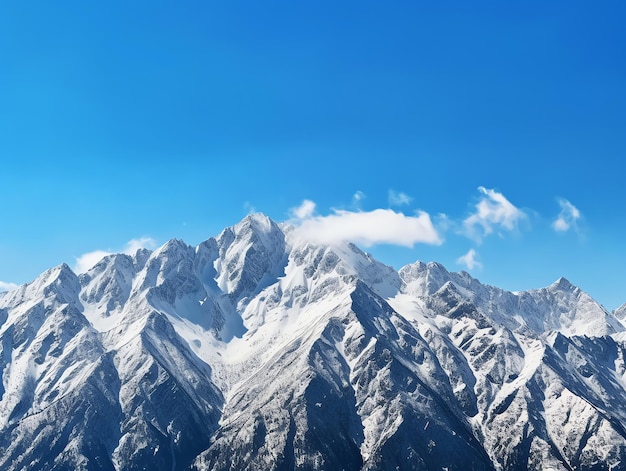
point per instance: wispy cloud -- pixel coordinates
(6, 286)
(89, 259)
(567, 218)
(398, 198)
(443, 223)
(493, 211)
(380, 226)
(357, 198)
(469, 260)
(249, 208)
(304, 211)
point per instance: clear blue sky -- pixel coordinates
(128, 120)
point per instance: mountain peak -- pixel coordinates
(563, 284)
(257, 221)
(256, 217)
(620, 312)
(173, 244)
(251, 253)
(59, 281)
(60, 272)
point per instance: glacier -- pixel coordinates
(257, 349)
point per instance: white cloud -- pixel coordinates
(469, 260)
(304, 211)
(492, 211)
(381, 226)
(5, 286)
(567, 218)
(89, 259)
(249, 208)
(398, 198)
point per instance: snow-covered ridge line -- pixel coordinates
(260, 350)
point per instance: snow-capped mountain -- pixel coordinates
(620, 312)
(259, 350)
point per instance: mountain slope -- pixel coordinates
(259, 350)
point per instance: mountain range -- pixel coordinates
(261, 350)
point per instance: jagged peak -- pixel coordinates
(436, 265)
(251, 253)
(208, 244)
(172, 246)
(448, 287)
(563, 284)
(174, 243)
(259, 221)
(111, 260)
(116, 262)
(418, 267)
(49, 276)
(259, 225)
(59, 281)
(256, 226)
(423, 278)
(107, 264)
(63, 267)
(255, 222)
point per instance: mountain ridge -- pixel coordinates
(258, 349)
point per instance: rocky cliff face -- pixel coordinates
(255, 350)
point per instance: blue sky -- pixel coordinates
(465, 128)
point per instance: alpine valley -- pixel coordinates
(258, 350)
